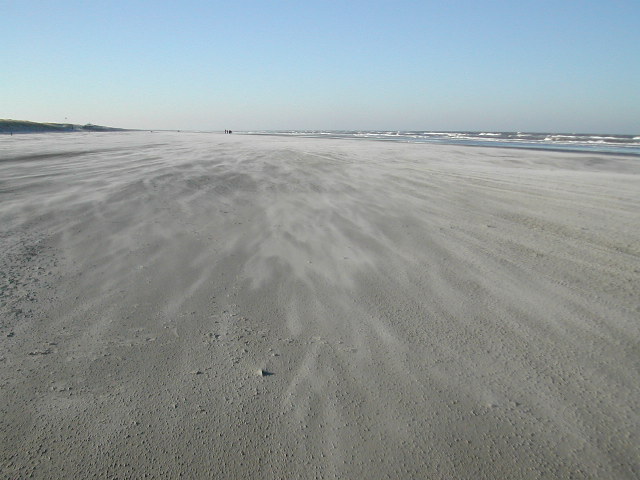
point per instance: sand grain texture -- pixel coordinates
(262, 307)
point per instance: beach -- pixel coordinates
(235, 306)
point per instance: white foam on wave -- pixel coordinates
(586, 142)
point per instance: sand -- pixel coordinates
(206, 305)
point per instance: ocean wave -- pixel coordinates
(606, 143)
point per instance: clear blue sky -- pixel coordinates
(571, 66)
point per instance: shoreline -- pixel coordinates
(544, 148)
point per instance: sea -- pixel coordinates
(579, 142)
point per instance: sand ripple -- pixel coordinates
(423, 311)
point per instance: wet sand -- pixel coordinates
(267, 307)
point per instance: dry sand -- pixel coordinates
(266, 307)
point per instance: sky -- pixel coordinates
(546, 66)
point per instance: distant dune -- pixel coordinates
(23, 126)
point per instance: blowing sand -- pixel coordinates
(265, 307)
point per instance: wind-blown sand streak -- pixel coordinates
(425, 311)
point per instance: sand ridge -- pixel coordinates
(424, 311)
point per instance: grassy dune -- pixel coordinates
(8, 126)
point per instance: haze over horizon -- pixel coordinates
(530, 66)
